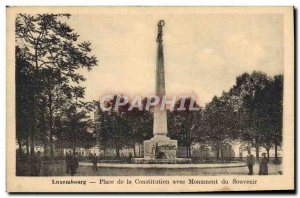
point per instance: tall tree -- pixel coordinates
(247, 93)
(119, 128)
(54, 56)
(277, 112)
(114, 129)
(219, 120)
(184, 125)
(24, 97)
(141, 125)
(76, 128)
(271, 115)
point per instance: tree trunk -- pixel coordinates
(218, 151)
(32, 144)
(50, 121)
(31, 137)
(257, 151)
(20, 148)
(268, 152)
(118, 151)
(134, 153)
(27, 147)
(45, 149)
(189, 153)
(34, 95)
(276, 152)
(51, 150)
(139, 150)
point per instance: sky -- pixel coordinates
(203, 53)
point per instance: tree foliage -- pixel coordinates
(48, 57)
(249, 113)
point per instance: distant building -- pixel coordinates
(242, 150)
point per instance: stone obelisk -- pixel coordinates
(160, 116)
(160, 147)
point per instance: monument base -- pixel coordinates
(160, 150)
(160, 147)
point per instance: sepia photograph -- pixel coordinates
(97, 95)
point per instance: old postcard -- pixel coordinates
(150, 99)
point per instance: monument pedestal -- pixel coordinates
(160, 147)
(160, 150)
